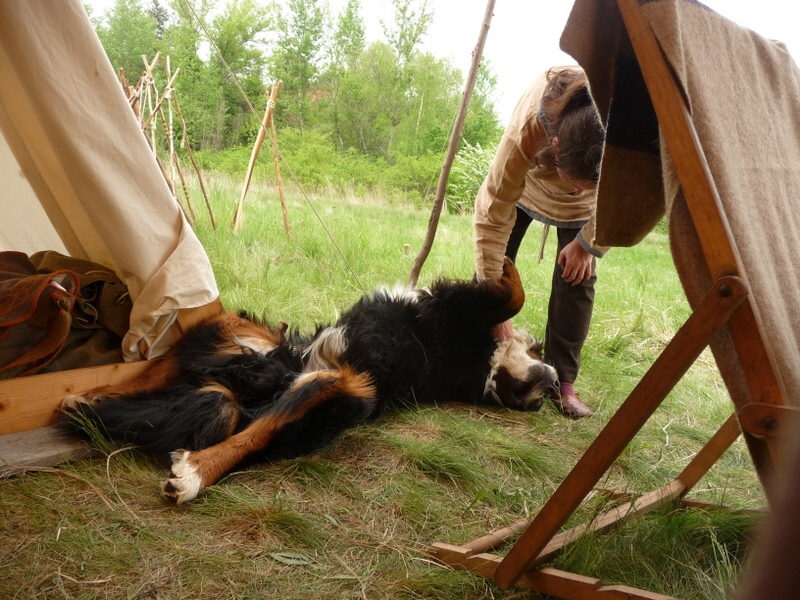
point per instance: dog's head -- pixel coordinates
(518, 377)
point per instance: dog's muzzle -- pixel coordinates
(526, 392)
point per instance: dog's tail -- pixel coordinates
(156, 421)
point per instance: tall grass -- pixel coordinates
(355, 519)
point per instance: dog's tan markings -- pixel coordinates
(512, 282)
(158, 374)
(192, 472)
(507, 289)
(229, 411)
(217, 388)
(242, 334)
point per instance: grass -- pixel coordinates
(355, 519)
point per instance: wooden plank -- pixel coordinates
(710, 453)
(42, 447)
(31, 402)
(612, 518)
(760, 418)
(682, 351)
(548, 581)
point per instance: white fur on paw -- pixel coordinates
(184, 483)
(74, 400)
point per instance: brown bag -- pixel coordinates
(100, 315)
(35, 314)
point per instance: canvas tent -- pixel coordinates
(78, 177)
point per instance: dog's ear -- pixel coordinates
(534, 347)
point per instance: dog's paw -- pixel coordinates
(74, 400)
(184, 483)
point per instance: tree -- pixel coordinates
(238, 59)
(349, 36)
(160, 15)
(128, 32)
(482, 127)
(404, 36)
(411, 21)
(197, 84)
(349, 41)
(295, 60)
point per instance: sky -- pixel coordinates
(523, 34)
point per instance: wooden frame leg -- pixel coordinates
(710, 315)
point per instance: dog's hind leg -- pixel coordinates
(159, 373)
(482, 302)
(159, 421)
(312, 412)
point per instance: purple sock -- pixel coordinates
(567, 389)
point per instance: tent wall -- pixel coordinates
(79, 176)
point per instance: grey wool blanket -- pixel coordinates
(743, 94)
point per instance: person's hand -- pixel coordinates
(575, 262)
(504, 331)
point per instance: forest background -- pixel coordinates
(352, 117)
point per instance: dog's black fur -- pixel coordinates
(235, 390)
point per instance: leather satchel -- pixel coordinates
(35, 314)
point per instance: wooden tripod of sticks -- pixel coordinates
(145, 93)
(267, 124)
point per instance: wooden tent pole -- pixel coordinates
(238, 214)
(455, 137)
(275, 159)
(170, 132)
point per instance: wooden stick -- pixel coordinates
(170, 133)
(151, 89)
(275, 159)
(186, 146)
(191, 216)
(167, 91)
(433, 222)
(238, 215)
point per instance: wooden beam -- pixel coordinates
(41, 447)
(548, 581)
(710, 315)
(33, 401)
(760, 418)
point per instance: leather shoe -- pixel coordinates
(571, 406)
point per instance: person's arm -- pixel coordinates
(495, 204)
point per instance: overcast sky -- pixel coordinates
(523, 36)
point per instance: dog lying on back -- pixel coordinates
(234, 390)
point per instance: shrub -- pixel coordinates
(469, 170)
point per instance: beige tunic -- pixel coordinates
(522, 171)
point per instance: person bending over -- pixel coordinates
(546, 169)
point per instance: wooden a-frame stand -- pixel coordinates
(763, 421)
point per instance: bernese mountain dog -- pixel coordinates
(237, 390)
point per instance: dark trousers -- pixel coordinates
(569, 311)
